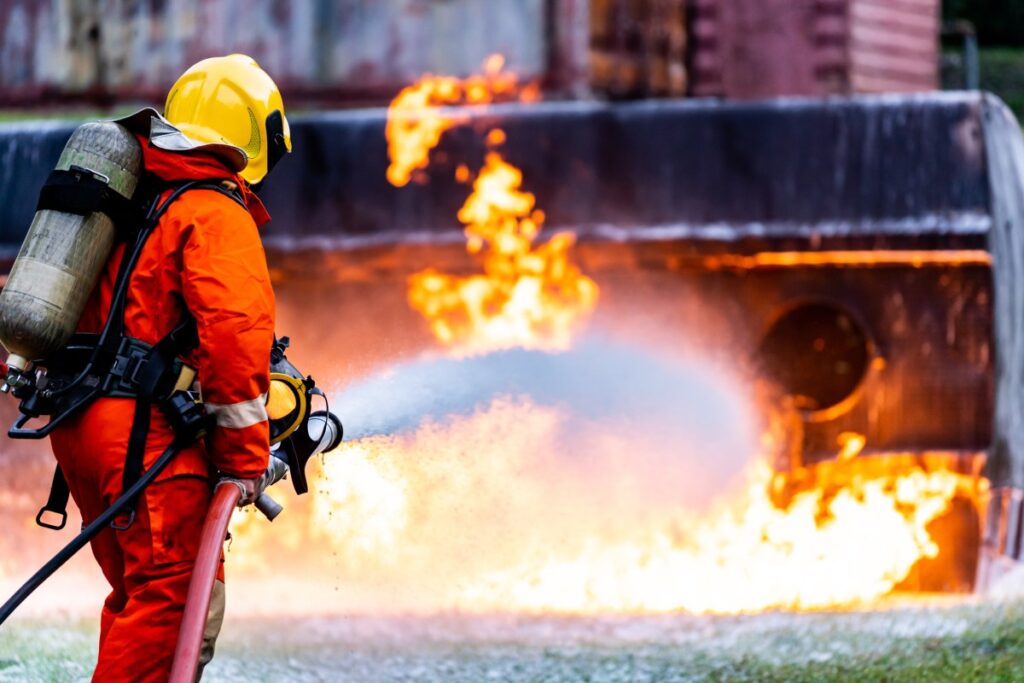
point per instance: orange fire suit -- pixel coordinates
(204, 257)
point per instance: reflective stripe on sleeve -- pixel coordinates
(239, 415)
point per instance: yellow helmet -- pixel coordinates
(232, 100)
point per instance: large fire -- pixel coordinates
(745, 555)
(520, 505)
(524, 507)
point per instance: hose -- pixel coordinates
(200, 588)
(87, 534)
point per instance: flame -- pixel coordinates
(416, 121)
(529, 296)
(421, 521)
(519, 507)
(750, 556)
(850, 445)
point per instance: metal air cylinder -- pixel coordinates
(63, 254)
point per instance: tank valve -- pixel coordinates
(16, 379)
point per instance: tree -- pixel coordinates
(998, 22)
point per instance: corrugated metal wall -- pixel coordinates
(893, 45)
(323, 49)
(761, 48)
(354, 51)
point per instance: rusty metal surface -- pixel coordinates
(638, 47)
(749, 49)
(106, 51)
(316, 49)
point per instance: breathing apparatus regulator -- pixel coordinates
(297, 431)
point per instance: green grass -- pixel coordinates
(47, 651)
(64, 114)
(960, 642)
(996, 655)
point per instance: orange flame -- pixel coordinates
(421, 522)
(528, 296)
(416, 121)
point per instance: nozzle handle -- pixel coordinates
(268, 506)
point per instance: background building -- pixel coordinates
(360, 51)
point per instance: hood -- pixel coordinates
(161, 133)
(169, 155)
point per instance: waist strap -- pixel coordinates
(148, 373)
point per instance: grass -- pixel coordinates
(64, 114)
(47, 651)
(960, 642)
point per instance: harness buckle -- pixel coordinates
(134, 369)
(128, 366)
(123, 527)
(56, 526)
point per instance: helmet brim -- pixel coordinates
(163, 134)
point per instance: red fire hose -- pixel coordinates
(197, 604)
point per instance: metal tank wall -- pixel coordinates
(759, 48)
(698, 190)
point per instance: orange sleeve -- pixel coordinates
(226, 286)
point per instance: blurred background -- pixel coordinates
(60, 54)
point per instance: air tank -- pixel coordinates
(63, 254)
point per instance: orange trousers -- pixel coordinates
(148, 565)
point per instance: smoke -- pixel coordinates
(688, 418)
(597, 379)
(455, 471)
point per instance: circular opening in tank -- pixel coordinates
(817, 353)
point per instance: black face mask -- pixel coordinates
(299, 431)
(275, 139)
(276, 149)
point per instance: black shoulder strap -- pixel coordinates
(56, 503)
(114, 328)
(223, 187)
(181, 339)
(81, 192)
(155, 383)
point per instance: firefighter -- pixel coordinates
(223, 122)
